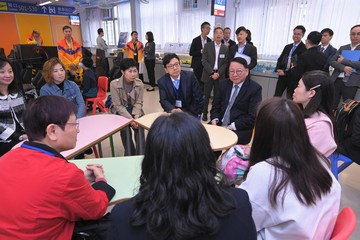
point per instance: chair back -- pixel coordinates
(334, 159)
(345, 224)
(103, 83)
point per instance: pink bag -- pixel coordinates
(234, 162)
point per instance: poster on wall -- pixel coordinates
(123, 36)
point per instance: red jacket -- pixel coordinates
(43, 195)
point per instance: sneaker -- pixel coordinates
(150, 89)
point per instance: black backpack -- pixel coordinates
(343, 117)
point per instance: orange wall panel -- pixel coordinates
(27, 22)
(57, 23)
(10, 34)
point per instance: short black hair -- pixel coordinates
(133, 33)
(66, 27)
(218, 28)
(204, 24)
(327, 30)
(301, 27)
(150, 36)
(357, 25)
(100, 30)
(227, 28)
(239, 29)
(127, 63)
(240, 60)
(167, 58)
(88, 62)
(314, 37)
(45, 110)
(14, 86)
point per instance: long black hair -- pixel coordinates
(180, 196)
(281, 139)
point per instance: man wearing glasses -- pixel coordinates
(235, 108)
(43, 193)
(179, 90)
(346, 64)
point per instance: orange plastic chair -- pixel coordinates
(101, 96)
(345, 224)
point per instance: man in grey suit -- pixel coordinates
(214, 60)
(346, 75)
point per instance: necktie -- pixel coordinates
(289, 58)
(226, 118)
(322, 49)
(176, 84)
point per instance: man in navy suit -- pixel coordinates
(196, 50)
(286, 62)
(346, 75)
(326, 48)
(214, 61)
(243, 48)
(226, 40)
(235, 107)
(311, 59)
(179, 90)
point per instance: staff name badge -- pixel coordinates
(222, 55)
(178, 103)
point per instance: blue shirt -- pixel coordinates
(71, 92)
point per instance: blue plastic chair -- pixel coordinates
(335, 158)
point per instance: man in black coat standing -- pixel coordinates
(196, 50)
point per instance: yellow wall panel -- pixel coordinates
(27, 22)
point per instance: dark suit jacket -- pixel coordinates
(190, 89)
(208, 60)
(329, 53)
(310, 60)
(282, 60)
(249, 50)
(195, 52)
(243, 111)
(231, 43)
(350, 145)
(354, 79)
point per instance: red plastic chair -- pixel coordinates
(345, 224)
(101, 96)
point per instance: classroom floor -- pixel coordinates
(349, 178)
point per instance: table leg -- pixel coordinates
(112, 146)
(140, 141)
(127, 146)
(100, 150)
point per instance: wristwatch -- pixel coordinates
(21, 138)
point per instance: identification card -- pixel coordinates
(178, 103)
(221, 55)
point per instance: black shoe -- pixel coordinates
(88, 151)
(204, 117)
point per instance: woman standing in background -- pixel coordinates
(150, 59)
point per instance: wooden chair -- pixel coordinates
(345, 224)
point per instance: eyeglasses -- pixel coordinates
(176, 65)
(238, 72)
(77, 124)
(354, 33)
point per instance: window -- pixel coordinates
(110, 25)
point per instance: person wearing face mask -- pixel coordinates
(127, 99)
(54, 74)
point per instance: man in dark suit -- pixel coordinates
(288, 59)
(226, 40)
(235, 107)
(214, 61)
(179, 90)
(196, 50)
(326, 48)
(243, 48)
(311, 59)
(346, 75)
